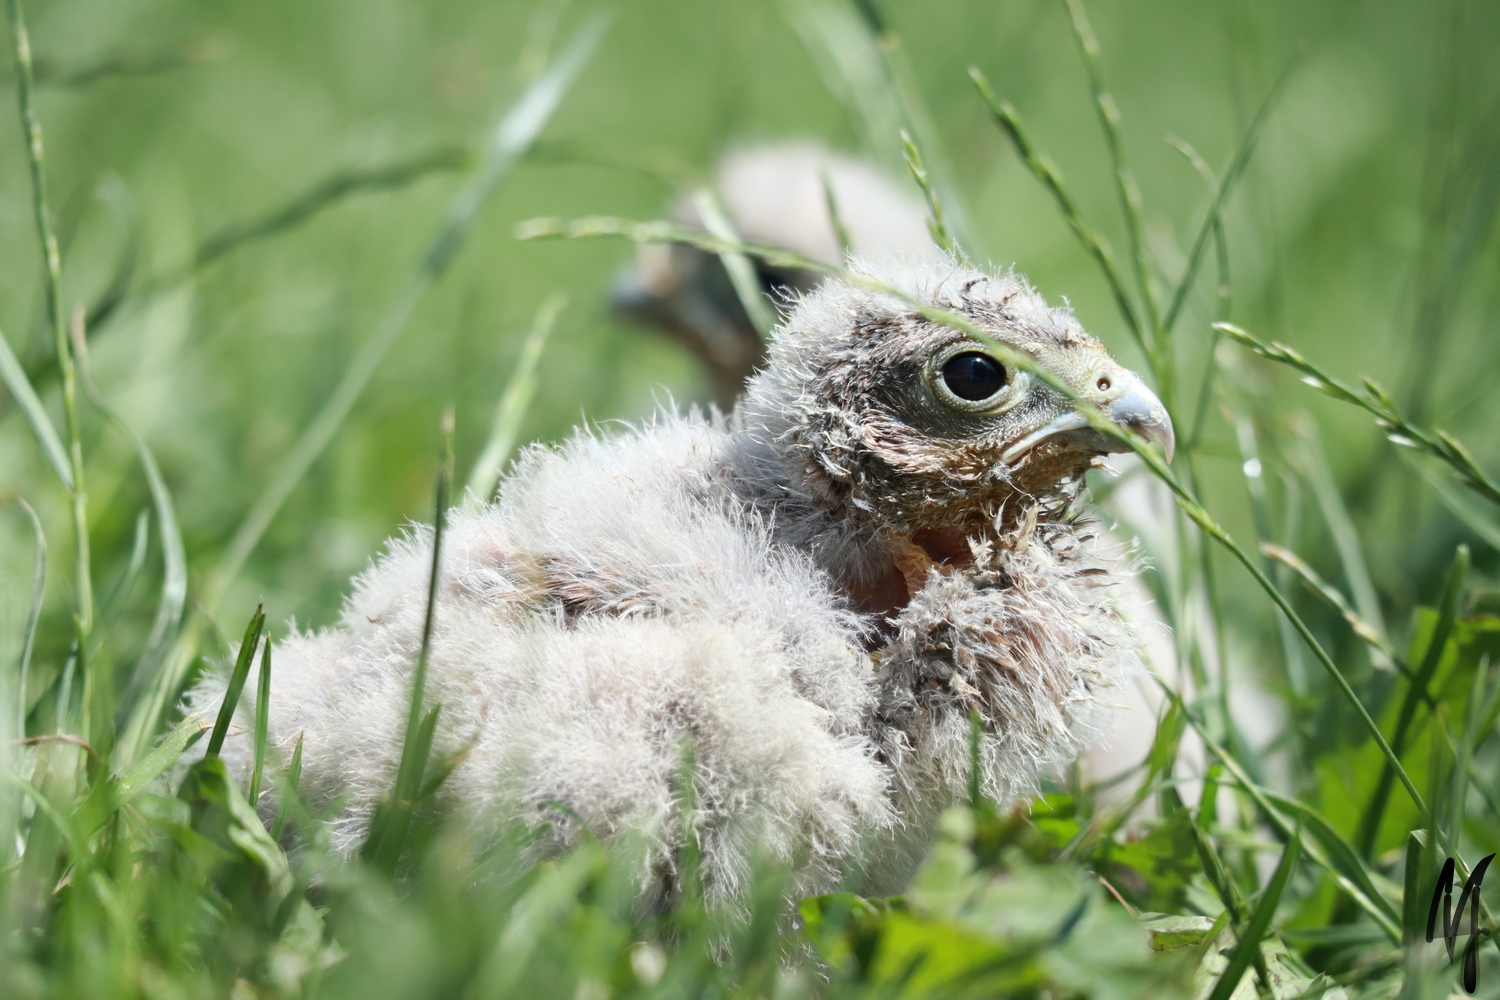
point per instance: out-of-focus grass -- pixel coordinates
(238, 192)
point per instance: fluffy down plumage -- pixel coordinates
(811, 595)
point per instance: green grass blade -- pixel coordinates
(290, 791)
(113, 603)
(840, 51)
(1247, 948)
(1315, 471)
(862, 62)
(513, 137)
(1126, 188)
(1045, 171)
(1262, 799)
(1416, 691)
(52, 268)
(937, 225)
(393, 819)
(262, 719)
(1340, 854)
(72, 836)
(391, 827)
(174, 558)
(1222, 300)
(1476, 516)
(36, 414)
(1464, 754)
(325, 194)
(1328, 592)
(1376, 401)
(835, 215)
(174, 554)
(131, 62)
(154, 765)
(1217, 874)
(237, 678)
(1223, 884)
(741, 272)
(33, 615)
(515, 400)
(1414, 885)
(1213, 218)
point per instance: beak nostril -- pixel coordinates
(1103, 383)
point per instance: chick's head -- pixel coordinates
(917, 430)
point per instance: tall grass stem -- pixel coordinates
(52, 261)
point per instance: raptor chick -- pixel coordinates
(813, 594)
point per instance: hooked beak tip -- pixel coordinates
(1139, 411)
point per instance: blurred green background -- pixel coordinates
(1362, 233)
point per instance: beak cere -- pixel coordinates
(1139, 411)
(1136, 409)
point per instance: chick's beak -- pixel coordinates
(1136, 409)
(1139, 411)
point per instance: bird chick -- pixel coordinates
(811, 596)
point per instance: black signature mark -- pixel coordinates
(1453, 918)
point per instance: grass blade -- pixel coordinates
(1378, 402)
(1460, 503)
(1214, 216)
(52, 261)
(1340, 854)
(1416, 691)
(237, 678)
(1262, 799)
(835, 214)
(1045, 171)
(392, 819)
(1362, 628)
(113, 604)
(1126, 188)
(510, 411)
(154, 765)
(290, 791)
(33, 615)
(131, 62)
(1414, 885)
(860, 57)
(318, 198)
(36, 414)
(174, 553)
(741, 272)
(1315, 472)
(262, 719)
(1247, 949)
(840, 50)
(1222, 299)
(77, 843)
(936, 224)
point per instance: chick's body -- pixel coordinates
(810, 596)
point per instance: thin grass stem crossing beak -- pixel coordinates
(1136, 409)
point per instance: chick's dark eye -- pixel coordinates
(973, 376)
